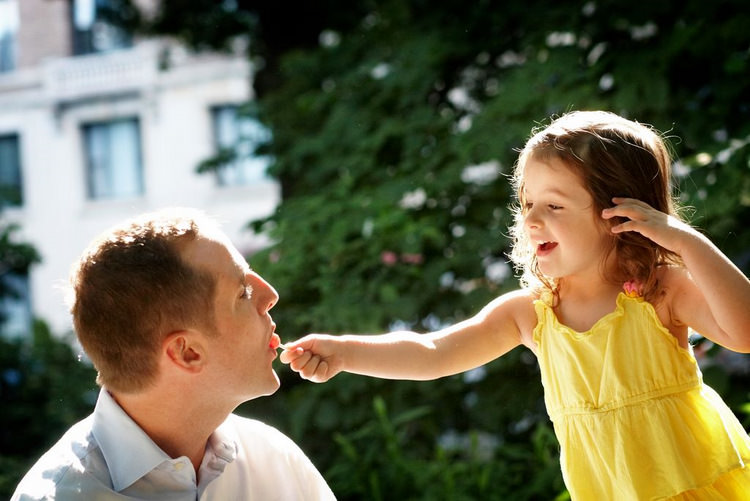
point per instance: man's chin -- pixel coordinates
(275, 385)
(268, 389)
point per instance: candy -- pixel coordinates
(275, 341)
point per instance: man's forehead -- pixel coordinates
(215, 253)
(242, 269)
(240, 263)
(206, 253)
(239, 266)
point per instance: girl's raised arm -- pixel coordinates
(407, 355)
(713, 297)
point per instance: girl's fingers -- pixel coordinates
(298, 363)
(630, 208)
(291, 354)
(641, 218)
(626, 212)
(321, 373)
(626, 226)
(308, 366)
(314, 370)
(305, 357)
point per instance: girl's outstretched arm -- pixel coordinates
(714, 296)
(407, 355)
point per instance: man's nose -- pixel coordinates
(266, 295)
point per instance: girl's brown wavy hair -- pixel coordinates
(614, 157)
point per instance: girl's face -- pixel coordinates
(569, 236)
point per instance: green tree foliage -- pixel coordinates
(15, 256)
(395, 124)
(377, 109)
(376, 134)
(44, 389)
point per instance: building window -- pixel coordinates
(95, 28)
(15, 304)
(11, 193)
(237, 137)
(8, 28)
(113, 159)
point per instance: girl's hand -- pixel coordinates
(315, 357)
(712, 295)
(663, 229)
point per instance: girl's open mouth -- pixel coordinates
(545, 248)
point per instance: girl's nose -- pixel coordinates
(531, 219)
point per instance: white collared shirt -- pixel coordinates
(107, 456)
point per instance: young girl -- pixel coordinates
(612, 281)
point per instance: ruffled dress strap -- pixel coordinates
(543, 307)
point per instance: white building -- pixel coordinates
(96, 127)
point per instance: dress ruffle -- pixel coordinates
(732, 485)
(632, 414)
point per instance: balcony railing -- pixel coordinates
(101, 74)
(141, 69)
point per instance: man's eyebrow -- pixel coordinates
(241, 274)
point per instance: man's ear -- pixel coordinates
(184, 350)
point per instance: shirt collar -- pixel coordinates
(223, 442)
(221, 449)
(129, 452)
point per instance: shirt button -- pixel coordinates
(179, 466)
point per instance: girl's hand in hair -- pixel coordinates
(661, 228)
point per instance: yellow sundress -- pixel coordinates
(631, 412)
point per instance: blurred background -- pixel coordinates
(357, 152)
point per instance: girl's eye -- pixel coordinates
(528, 206)
(247, 292)
(554, 207)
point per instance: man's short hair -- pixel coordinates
(131, 288)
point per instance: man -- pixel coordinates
(178, 328)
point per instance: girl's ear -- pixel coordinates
(183, 350)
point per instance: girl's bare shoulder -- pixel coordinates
(517, 302)
(674, 281)
(518, 306)
(671, 273)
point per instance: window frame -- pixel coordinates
(14, 186)
(105, 188)
(9, 13)
(84, 40)
(247, 168)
